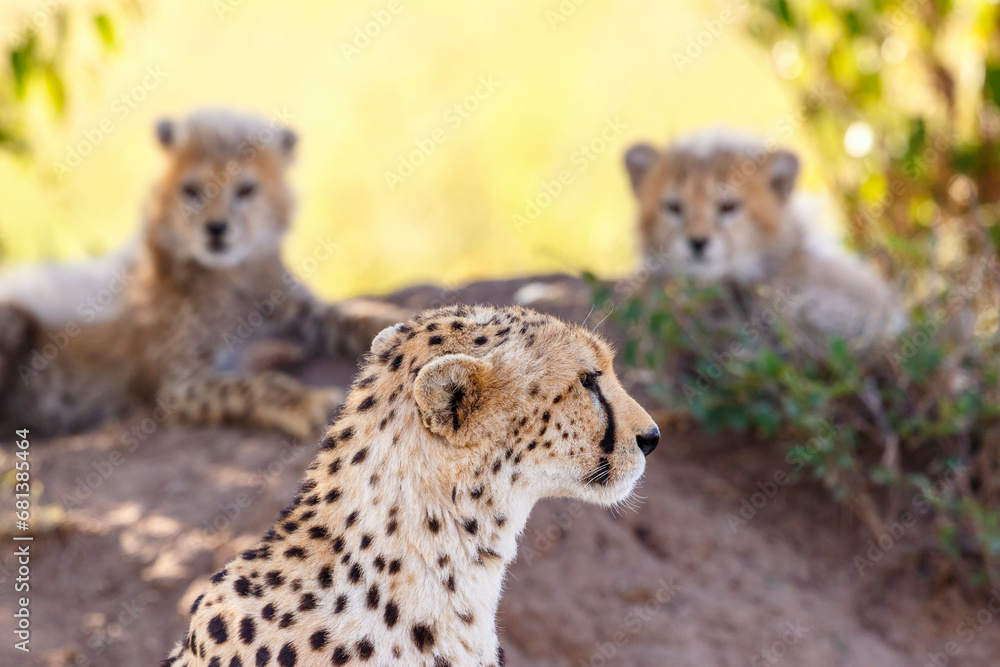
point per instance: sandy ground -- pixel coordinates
(670, 583)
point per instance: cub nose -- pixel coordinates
(647, 441)
(216, 228)
(698, 245)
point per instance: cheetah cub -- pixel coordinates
(189, 320)
(395, 549)
(718, 206)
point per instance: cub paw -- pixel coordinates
(320, 407)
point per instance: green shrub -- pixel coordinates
(921, 80)
(909, 128)
(912, 433)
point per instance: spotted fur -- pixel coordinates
(719, 206)
(395, 548)
(204, 286)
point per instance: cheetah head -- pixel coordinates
(528, 403)
(712, 206)
(223, 198)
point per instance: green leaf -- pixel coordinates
(633, 311)
(965, 157)
(991, 83)
(916, 140)
(770, 363)
(784, 12)
(106, 30)
(853, 23)
(947, 535)
(994, 234)
(767, 418)
(56, 89)
(20, 64)
(731, 417)
(660, 322)
(839, 354)
(630, 352)
(882, 476)
(923, 362)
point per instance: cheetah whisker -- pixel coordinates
(605, 318)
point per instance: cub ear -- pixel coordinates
(287, 141)
(450, 391)
(166, 133)
(638, 159)
(783, 171)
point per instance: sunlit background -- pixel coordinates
(570, 85)
(447, 141)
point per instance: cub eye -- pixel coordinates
(246, 190)
(673, 207)
(191, 191)
(589, 380)
(729, 206)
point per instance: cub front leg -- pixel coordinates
(346, 328)
(272, 355)
(271, 400)
(350, 326)
(18, 333)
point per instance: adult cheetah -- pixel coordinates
(395, 549)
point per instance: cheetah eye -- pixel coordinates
(191, 191)
(729, 206)
(673, 207)
(589, 380)
(246, 190)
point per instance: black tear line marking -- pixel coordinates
(608, 441)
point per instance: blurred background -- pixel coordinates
(519, 91)
(446, 142)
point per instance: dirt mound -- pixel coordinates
(681, 580)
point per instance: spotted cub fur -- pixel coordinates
(719, 206)
(396, 546)
(204, 284)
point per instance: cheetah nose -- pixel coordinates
(647, 441)
(698, 245)
(216, 228)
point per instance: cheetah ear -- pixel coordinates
(638, 159)
(783, 167)
(166, 133)
(289, 139)
(383, 341)
(450, 391)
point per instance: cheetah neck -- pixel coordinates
(465, 563)
(450, 529)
